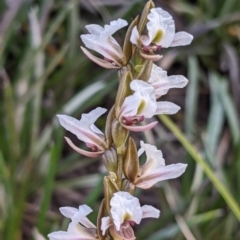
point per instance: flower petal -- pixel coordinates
(130, 106)
(145, 92)
(150, 212)
(167, 108)
(61, 235)
(84, 129)
(142, 128)
(80, 216)
(161, 28)
(175, 81)
(154, 160)
(135, 38)
(181, 39)
(160, 174)
(99, 61)
(83, 152)
(125, 207)
(125, 233)
(162, 83)
(151, 57)
(113, 27)
(101, 41)
(94, 29)
(68, 211)
(105, 224)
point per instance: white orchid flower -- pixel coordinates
(155, 170)
(162, 83)
(100, 40)
(86, 131)
(160, 34)
(126, 211)
(75, 231)
(142, 104)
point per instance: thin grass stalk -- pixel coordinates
(227, 196)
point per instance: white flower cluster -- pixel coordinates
(125, 209)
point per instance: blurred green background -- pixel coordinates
(43, 72)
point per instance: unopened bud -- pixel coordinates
(131, 161)
(119, 134)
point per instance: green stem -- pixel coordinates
(119, 170)
(227, 196)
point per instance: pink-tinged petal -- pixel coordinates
(101, 41)
(135, 128)
(99, 61)
(125, 207)
(84, 128)
(167, 108)
(68, 211)
(150, 212)
(105, 224)
(61, 235)
(151, 57)
(135, 38)
(154, 158)
(162, 85)
(164, 173)
(125, 233)
(83, 152)
(75, 227)
(181, 39)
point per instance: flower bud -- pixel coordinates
(145, 72)
(110, 187)
(127, 46)
(131, 161)
(123, 90)
(143, 19)
(119, 134)
(101, 214)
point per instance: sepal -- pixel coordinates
(131, 161)
(143, 19)
(145, 72)
(123, 90)
(127, 46)
(101, 62)
(108, 129)
(101, 214)
(110, 187)
(119, 134)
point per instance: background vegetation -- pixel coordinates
(43, 72)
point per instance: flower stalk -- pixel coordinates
(141, 84)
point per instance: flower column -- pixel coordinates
(141, 84)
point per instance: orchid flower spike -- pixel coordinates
(86, 230)
(155, 170)
(126, 211)
(162, 83)
(160, 34)
(100, 40)
(86, 131)
(142, 104)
